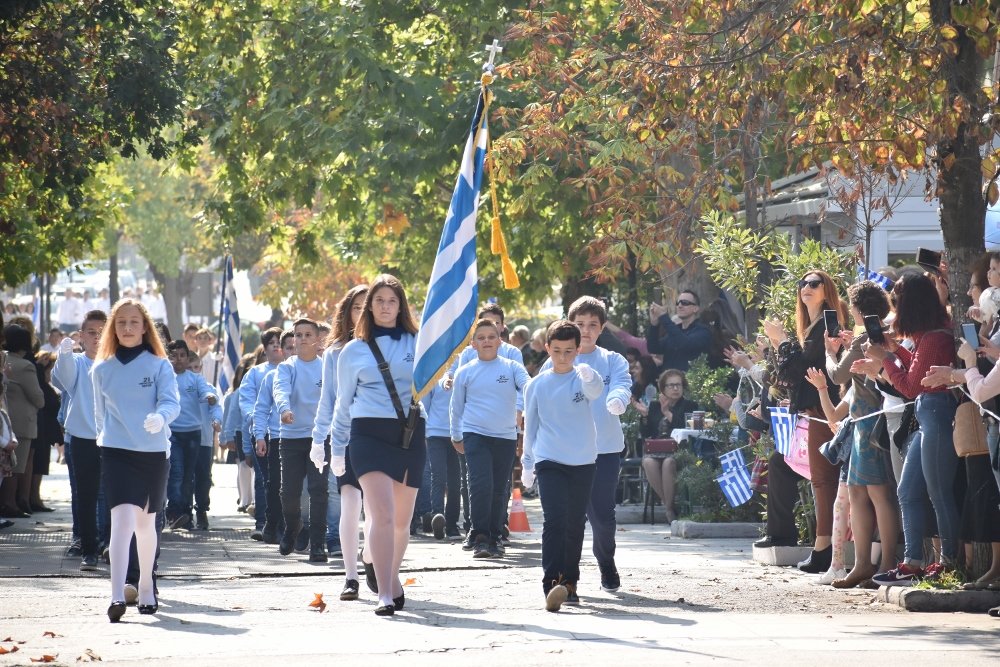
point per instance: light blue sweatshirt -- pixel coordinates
(558, 423)
(265, 418)
(249, 389)
(297, 387)
(613, 367)
(485, 397)
(328, 396)
(72, 373)
(125, 393)
(506, 351)
(361, 390)
(437, 405)
(194, 390)
(232, 418)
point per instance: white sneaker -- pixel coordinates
(828, 577)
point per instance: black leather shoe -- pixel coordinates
(769, 542)
(149, 608)
(12, 513)
(370, 577)
(399, 602)
(116, 611)
(385, 610)
(39, 507)
(287, 543)
(318, 556)
(818, 561)
(350, 591)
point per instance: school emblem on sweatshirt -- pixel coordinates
(503, 379)
(607, 380)
(578, 397)
(146, 382)
(408, 357)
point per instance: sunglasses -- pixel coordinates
(813, 284)
(685, 302)
(673, 385)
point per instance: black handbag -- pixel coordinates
(408, 421)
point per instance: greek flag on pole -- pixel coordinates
(732, 460)
(735, 485)
(231, 325)
(782, 428)
(882, 281)
(453, 293)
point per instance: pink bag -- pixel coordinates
(798, 456)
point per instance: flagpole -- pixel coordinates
(222, 314)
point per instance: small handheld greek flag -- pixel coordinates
(875, 277)
(735, 485)
(782, 427)
(732, 460)
(231, 328)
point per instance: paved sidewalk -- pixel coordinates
(226, 600)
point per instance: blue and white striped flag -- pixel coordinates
(732, 460)
(453, 293)
(231, 328)
(735, 485)
(875, 277)
(782, 428)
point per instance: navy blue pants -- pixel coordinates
(490, 462)
(564, 491)
(184, 448)
(446, 489)
(601, 508)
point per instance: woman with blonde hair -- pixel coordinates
(135, 396)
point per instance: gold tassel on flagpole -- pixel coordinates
(497, 244)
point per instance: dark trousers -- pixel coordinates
(203, 477)
(86, 472)
(184, 446)
(463, 474)
(446, 490)
(274, 518)
(74, 501)
(601, 508)
(564, 491)
(296, 468)
(259, 488)
(490, 461)
(422, 504)
(782, 494)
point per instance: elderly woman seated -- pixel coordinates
(663, 416)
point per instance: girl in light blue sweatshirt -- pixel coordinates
(135, 397)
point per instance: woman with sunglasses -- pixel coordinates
(816, 293)
(679, 338)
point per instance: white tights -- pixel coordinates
(350, 514)
(244, 483)
(841, 524)
(126, 521)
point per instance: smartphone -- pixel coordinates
(873, 327)
(929, 259)
(970, 334)
(832, 323)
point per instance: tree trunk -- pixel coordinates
(113, 295)
(173, 289)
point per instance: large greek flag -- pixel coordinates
(231, 329)
(452, 293)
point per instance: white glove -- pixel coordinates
(616, 406)
(527, 478)
(154, 422)
(66, 345)
(317, 455)
(585, 372)
(338, 465)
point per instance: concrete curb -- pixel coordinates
(932, 600)
(695, 530)
(781, 556)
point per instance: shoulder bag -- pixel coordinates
(970, 431)
(409, 422)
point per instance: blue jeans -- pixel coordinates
(203, 477)
(444, 477)
(929, 470)
(490, 462)
(564, 491)
(463, 474)
(332, 511)
(601, 508)
(184, 447)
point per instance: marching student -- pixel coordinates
(185, 438)
(484, 404)
(560, 446)
(348, 487)
(72, 373)
(297, 385)
(211, 427)
(446, 483)
(386, 456)
(233, 437)
(135, 397)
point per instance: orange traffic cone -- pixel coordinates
(518, 522)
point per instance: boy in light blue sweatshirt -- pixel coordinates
(211, 425)
(484, 404)
(590, 316)
(185, 438)
(560, 446)
(297, 388)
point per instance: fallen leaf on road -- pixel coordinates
(46, 658)
(409, 582)
(12, 649)
(49, 633)
(318, 602)
(89, 656)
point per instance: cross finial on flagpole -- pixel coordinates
(494, 49)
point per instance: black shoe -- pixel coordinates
(469, 543)
(498, 549)
(571, 596)
(75, 550)
(183, 522)
(370, 579)
(769, 542)
(425, 523)
(318, 555)
(257, 535)
(287, 543)
(268, 535)
(452, 533)
(399, 602)
(483, 548)
(350, 591)
(437, 525)
(148, 609)
(39, 507)
(610, 580)
(385, 610)
(202, 523)
(302, 541)
(818, 561)
(89, 563)
(5, 523)
(116, 611)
